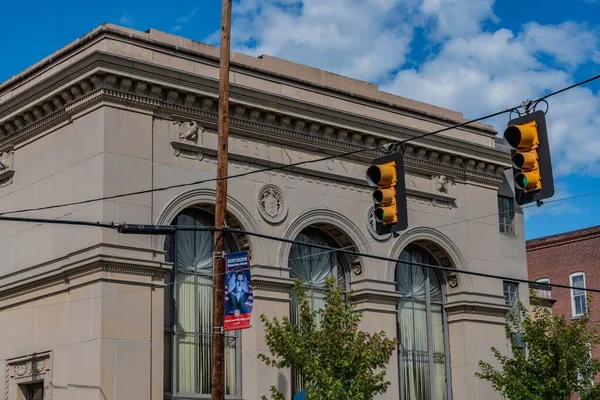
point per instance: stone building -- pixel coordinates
(568, 258)
(88, 313)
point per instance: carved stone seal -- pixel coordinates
(271, 203)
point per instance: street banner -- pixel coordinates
(238, 291)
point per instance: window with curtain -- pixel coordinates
(511, 293)
(188, 313)
(312, 266)
(422, 324)
(506, 212)
(578, 296)
(544, 293)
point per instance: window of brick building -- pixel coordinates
(544, 293)
(506, 211)
(510, 293)
(578, 297)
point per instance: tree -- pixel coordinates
(557, 362)
(326, 347)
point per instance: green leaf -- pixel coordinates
(557, 364)
(340, 361)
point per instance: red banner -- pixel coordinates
(238, 291)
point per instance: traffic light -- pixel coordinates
(532, 167)
(386, 174)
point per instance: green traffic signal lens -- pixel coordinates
(521, 181)
(379, 214)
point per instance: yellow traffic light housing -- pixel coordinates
(386, 174)
(524, 139)
(532, 167)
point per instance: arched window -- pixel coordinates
(421, 328)
(188, 313)
(312, 266)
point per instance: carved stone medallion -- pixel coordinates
(271, 203)
(371, 226)
(453, 282)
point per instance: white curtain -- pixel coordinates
(312, 266)
(193, 263)
(420, 290)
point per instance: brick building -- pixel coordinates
(569, 258)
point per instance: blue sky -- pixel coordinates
(475, 56)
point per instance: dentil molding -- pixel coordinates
(249, 120)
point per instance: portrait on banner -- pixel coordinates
(239, 300)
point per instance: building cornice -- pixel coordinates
(157, 95)
(266, 67)
(106, 268)
(476, 308)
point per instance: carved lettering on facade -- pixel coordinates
(250, 148)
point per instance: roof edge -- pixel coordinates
(165, 39)
(563, 238)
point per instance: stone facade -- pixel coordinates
(121, 111)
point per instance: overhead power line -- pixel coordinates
(125, 228)
(274, 168)
(573, 86)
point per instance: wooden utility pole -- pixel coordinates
(218, 335)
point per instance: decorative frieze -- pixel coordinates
(25, 370)
(136, 92)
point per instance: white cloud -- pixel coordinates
(488, 72)
(126, 19)
(568, 43)
(181, 21)
(480, 67)
(458, 18)
(362, 39)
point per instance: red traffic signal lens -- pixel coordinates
(522, 136)
(383, 174)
